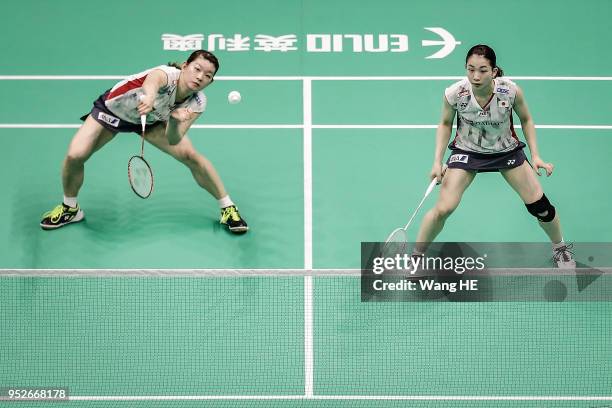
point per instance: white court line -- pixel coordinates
(208, 126)
(272, 126)
(578, 127)
(347, 397)
(307, 146)
(301, 78)
(308, 301)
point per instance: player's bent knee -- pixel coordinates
(187, 157)
(75, 158)
(443, 212)
(542, 209)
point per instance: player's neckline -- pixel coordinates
(489, 99)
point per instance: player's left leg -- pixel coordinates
(203, 172)
(524, 181)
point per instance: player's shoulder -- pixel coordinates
(168, 69)
(197, 102)
(505, 86)
(457, 90)
(172, 73)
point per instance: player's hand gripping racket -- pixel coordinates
(398, 239)
(140, 174)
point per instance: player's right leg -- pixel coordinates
(204, 174)
(90, 137)
(454, 183)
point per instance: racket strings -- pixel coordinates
(140, 176)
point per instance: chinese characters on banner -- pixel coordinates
(371, 43)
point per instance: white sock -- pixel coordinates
(70, 201)
(225, 202)
(558, 244)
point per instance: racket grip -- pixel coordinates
(431, 186)
(434, 182)
(143, 122)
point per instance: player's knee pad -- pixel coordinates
(542, 209)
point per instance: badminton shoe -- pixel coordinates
(563, 257)
(230, 217)
(60, 216)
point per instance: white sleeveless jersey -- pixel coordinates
(488, 129)
(123, 98)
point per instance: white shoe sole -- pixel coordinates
(239, 229)
(79, 217)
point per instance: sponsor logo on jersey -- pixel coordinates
(111, 120)
(460, 158)
(463, 92)
(503, 91)
(463, 105)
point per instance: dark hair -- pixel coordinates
(488, 53)
(207, 55)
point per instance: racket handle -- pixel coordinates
(431, 186)
(143, 122)
(434, 182)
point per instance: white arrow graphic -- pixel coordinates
(448, 42)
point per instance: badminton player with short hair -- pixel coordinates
(485, 141)
(171, 97)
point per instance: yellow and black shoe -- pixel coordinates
(230, 217)
(60, 216)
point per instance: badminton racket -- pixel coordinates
(140, 174)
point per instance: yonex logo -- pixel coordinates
(111, 120)
(458, 158)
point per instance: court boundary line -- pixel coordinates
(308, 283)
(280, 126)
(308, 77)
(348, 397)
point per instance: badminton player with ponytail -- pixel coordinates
(171, 97)
(486, 141)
